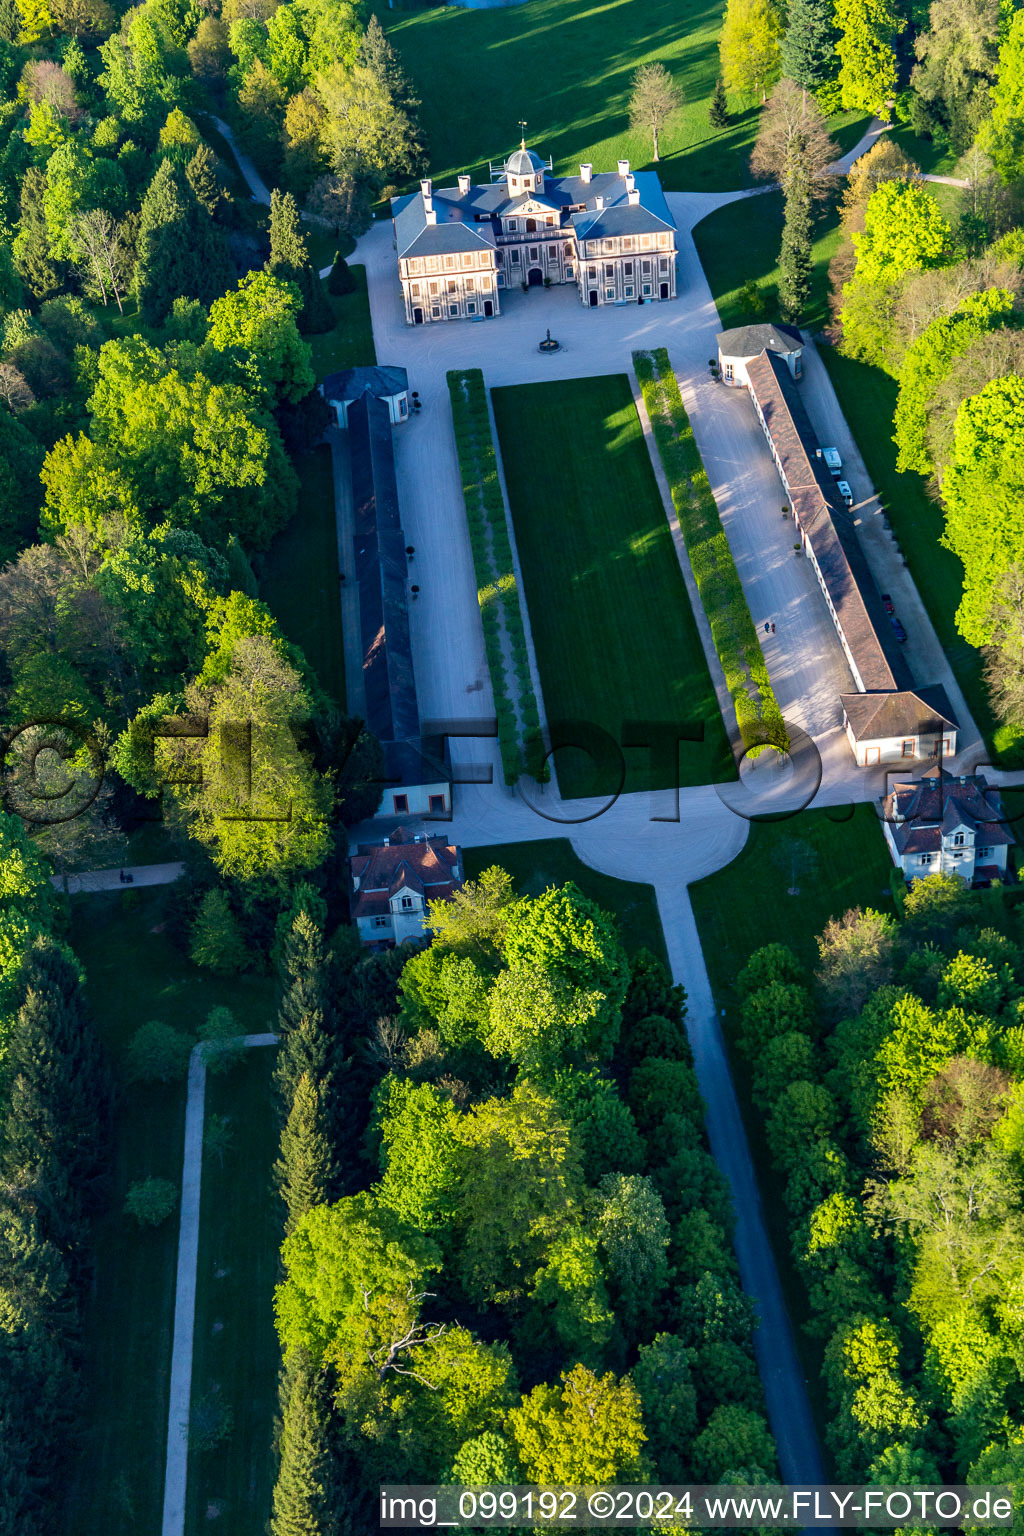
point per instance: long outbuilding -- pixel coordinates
(889, 718)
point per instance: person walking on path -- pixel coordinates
(773, 628)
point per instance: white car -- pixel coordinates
(844, 490)
(832, 459)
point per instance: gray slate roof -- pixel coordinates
(465, 222)
(749, 340)
(920, 811)
(350, 383)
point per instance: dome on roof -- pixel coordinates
(524, 162)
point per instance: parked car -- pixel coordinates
(900, 632)
(844, 490)
(832, 459)
(887, 604)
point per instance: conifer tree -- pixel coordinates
(289, 260)
(795, 251)
(32, 242)
(181, 253)
(307, 1020)
(304, 1172)
(60, 1090)
(718, 112)
(809, 46)
(203, 175)
(308, 1498)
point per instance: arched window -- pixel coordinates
(531, 225)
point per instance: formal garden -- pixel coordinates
(612, 624)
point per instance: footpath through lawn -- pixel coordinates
(613, 630)
(134, 972)
(833, 859)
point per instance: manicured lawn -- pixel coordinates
(135, 973)
(350, 344)
(299, 581)
(741, 241)
(612, 625)
(842, 862)
(567, 67)
(552, 861)
(845, 863)
(868, 398)
(235, 1342)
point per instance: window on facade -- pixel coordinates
(416, 288)
(471, 308)
(435, 313)
(663, 263)
(567, 251)
(568, 272)
(926, 858)
(609, 293)
(607, 246)
(983, 853)
(958, 839)
(627, 244)
(382, 922)
(907, 750)
(453, 310)
(515, 258)
(401, 804)
(467, 260)
(534, 253)
(433, 287)
(513, 225)
(645, 267)
(453, 286)
(728, 370)
(591, 271)
(609, 270)
(470, 283)
(647, 289)
(449, 263)
(437, 805)
(645, 242)
(552, 250)
(629, 290)
(431, 263)
(406, 903)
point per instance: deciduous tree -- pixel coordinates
(749, 46)
(653, 99)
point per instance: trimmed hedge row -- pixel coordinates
(721, 592)
(519, 736)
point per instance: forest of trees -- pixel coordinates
(517, 1266)
(892, 1082)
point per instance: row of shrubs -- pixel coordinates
(732, 629)
(519, 734)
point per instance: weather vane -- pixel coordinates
(522, 141)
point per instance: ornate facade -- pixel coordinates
(459, 247)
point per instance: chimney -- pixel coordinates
(426, 186)
(431, 215)
(586, 174)
(623, 168)
(632, 197)
(630, 181)
(599, 201)
(464, 185)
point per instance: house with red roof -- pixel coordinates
(948, 824)
(393, 880)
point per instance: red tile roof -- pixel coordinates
(430, 868)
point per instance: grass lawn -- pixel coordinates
(135, 973)
(845, 863)
(577, 61)
(615, 636)
(741, 241)
(235, 1342)
(299, 581)
(868, 398)
(350, 344)
(552, 861)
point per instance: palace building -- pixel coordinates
(458, 247)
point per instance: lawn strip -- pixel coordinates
(519, 735)
(721, 591)
(615, 637)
